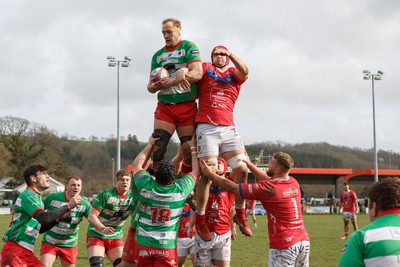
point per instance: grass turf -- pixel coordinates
(325, 232)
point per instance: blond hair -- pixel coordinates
(175, 22)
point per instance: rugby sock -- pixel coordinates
(186, 168)
(240, 212)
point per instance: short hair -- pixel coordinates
(284, 159)
(32, 170)
(73, 178)
(175, 22)
(165, 172)
(122, 173)
(385, 193)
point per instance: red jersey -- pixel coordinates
(348, 201)
(285, 220)
(218, 209)
(218, 92)
(184, 222)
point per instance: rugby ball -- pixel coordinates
(159, 73)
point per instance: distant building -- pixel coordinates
(8, 196)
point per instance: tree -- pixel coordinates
(25, 143)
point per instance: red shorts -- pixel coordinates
(128, 254)
(67, 254)
(13, 255)
(108, 244)
(180, 114)
(147, 256)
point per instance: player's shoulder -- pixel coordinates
(85, 202)
(188, 43)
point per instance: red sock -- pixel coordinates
(200, 218)
(240, 212)
(186, 168)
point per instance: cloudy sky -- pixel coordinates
(305, 58)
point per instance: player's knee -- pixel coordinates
(212, 162)
(96, 261)
(161, 143)
(117, 261)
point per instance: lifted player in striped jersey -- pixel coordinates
(62, 240)
(378, 243)
(110, 209)
(160, 206)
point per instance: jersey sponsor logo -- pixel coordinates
(395, 232)
(155, 252)
(290, 192)
(143, 253)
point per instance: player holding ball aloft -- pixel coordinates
(216, 132)
(176, 108)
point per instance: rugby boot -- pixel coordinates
(243, 226)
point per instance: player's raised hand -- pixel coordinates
(205, 168)
(74, 201)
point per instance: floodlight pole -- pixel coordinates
(373, 77)
(112, 62)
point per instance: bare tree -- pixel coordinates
(25, 143)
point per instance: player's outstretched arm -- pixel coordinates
(195, 162)
(48, 219)
(222, 182)
(141, 159)
(258, 173)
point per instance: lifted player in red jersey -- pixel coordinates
(216, 133)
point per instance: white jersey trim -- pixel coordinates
(173, 197)
(157, 235)
(381, 234)
(392, 260)
(55, 241)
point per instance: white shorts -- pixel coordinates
(214, 140)
(250, 211)
(219, 248)
(347, 216)
(294, 256)
(185, 246)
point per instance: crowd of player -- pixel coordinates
(164, 228)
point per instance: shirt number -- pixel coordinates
(160, 215)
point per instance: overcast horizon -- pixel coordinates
(305, 58)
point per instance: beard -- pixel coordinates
(270, 173)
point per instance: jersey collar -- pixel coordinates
(389, 211)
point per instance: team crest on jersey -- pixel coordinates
(344, 248)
